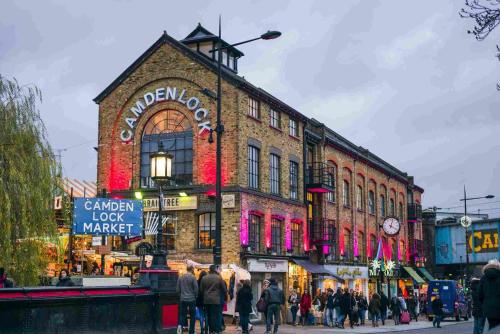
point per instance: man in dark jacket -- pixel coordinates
(244, 298)
(489, 293)
(274, 298)
(437, 310)
(329, 308)
(384, 303)
(212, 287)
(347, 303)
(187, 287)
(477, 308)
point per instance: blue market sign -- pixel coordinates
(102, 216)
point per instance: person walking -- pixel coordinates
(200, 307)
(489, 293)
(244, 299)
(187, 288)
(477, 308)
(5, 282)
(336, 304)
(396, 309)
(362, 307)
(294, 301)
(413, 306)
(265, 286)
(305, 306)
(437, 310)
(329, 309)
(347, 303)
(374, 309)
(213, 287)
(64, 279)
(275, 298)
(384, 304)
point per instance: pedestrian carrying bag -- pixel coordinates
(261, 305)
(405, 317)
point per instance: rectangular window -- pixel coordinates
(294, 131)
(371, 202)
(253, 108)
(382, 206)
(359, 197)
(330, 196)
(276, 236)
(346, 194)
(294, 180)
(296, 238)
(254, 233)
(253, 167)
(392, 207)
(274, 173)
(275, 118)
(206, 230)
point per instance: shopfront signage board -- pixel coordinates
(349, 272)
(389, 268)
(171, 203)
(103, 216)
(267, 265)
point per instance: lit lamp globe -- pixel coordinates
(161, 165)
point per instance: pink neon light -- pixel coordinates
(267, 229)
(317, 190)
(400, 255)
(244, 228)
(288, 233)
(355, 244)
(306, 237)
(342, 244)
(368, 247)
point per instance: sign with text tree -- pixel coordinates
(102, 216)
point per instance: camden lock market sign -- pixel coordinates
(389, 268)
(201, 114)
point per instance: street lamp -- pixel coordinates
(161, 173)
(466, 222)
(219, 130)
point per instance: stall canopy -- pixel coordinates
(426, 274)
(414, 275)
(317, 269)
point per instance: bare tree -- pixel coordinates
(486, 13)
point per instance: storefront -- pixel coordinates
(264, 268)
(355, 277)
(383, 276)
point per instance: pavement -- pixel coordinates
(421, 326)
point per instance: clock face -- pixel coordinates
(391, 226)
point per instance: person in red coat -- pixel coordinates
(305, 306)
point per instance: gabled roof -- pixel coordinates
(200, 34)
(227, 74)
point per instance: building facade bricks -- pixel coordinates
(276, 214)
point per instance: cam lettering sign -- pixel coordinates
(483, 241)
(171, 203)
(269, 266)
(102, 216)
(193, 103)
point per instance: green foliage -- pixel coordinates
(28, 178)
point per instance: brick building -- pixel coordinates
(283, 214)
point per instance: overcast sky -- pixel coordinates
(401, 78)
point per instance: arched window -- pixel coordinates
(400, 210)
(296, 238)
(373, 246)
(371, 202)
(276, 239)
(173, 129)
(382, 205)
(361, 245)
(254, 227)
(392, 207)
(347, 243)
(346, 194)
(359, 197)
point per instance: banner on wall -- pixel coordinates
(103, 216)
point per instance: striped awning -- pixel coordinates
(426, 274)
(414, 275)
(79, 188)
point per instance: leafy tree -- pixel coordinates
(28, 175)
(486, 14)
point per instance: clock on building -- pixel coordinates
(391, 226)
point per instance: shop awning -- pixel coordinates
(414, 275)
(426, 274)
(316, 269)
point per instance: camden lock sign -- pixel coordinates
(351, 272)
(171, 203)
(165, 94)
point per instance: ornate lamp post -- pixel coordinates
(161, 173)
(466, 223)
(219, 130)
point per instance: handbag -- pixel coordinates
(261, 305)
